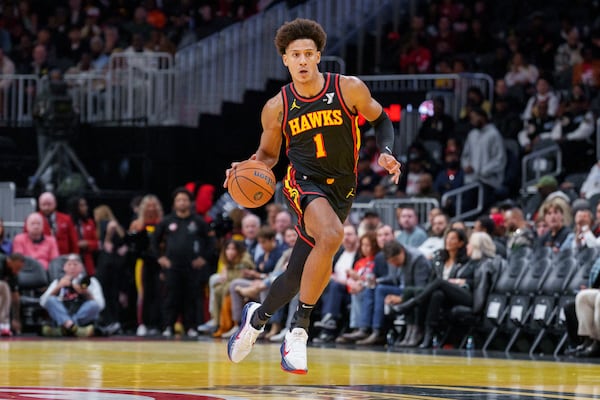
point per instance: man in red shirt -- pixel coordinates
(58, 224)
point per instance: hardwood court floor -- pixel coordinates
(131, 369)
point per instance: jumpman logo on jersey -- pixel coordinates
(351, 193)
(294, 105)
(329, 98)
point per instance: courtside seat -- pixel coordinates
(33, 280)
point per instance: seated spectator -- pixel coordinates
(435, 241)
(505, 117)
(367, 179)
(521, 74)
(486, 224)
(34, 243)
(370, 222)
(587, 306)
(10, 316)
(568, 55)
(583, 236)
(235, 260)
(409, 182)
(453, 285)
(335, 297)
(557, 214)
(74, 301)
(519, 232)
(410, 233)
(587, 71)
(5, 243)
(437, 127)
(591, 185)
(547, 188)
(451, 257)
(537, 128)
(543, 94)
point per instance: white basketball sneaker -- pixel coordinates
(293, 351)
(240, 344)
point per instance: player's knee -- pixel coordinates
(330, 236)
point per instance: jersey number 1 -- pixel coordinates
(319, 143)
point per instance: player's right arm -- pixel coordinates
(270, 140)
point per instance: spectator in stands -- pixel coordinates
(415, 57)
(587, 305)
(475, 99)
(112, 42)
(184, 250)
(250, 229)
(416, 168)
(537, 129)
(99, 59)
(485, 223)
(35, 243)
(87, 234)
(109, 265)
(521, 74)
(587, 71)
(481, 159)
(370, 222)
(559, 235)
(362, 280)
(367, 179)
(73, 301)
(583, 236)
(435, 241)
(76, 14)
(567, 55)
(10, 315)
(437, 127)
(543, 95)
(5, 242)
(452, 175)
(7, 67)
(407, 268)
(138, 26)
(58, 224)
(91, 27)
(505, 117)
(283, 221)
(443, 41)
(335, 297)
(452, 285)
(146, 270)
(39, 63)
(235, 261)
(519, 232)
(591, 185)
(451, 257)
(410, 233)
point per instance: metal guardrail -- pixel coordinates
(544, 161)
(386, 208)
(136, 87)
(456, 197)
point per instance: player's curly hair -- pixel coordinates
(300, 28)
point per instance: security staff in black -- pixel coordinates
(185, 251)
(316, 115)
(322, 142)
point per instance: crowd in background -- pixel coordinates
(546, 68)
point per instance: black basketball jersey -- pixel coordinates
(321, 132)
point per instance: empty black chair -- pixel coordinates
(32, 280)
(542, 252)
(519, 308)
(587, 255)
(522, 252)
(547, 305)
(497, 305)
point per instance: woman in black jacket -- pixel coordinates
(452, 285)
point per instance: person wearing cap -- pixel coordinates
(73, 301)
(483, 158)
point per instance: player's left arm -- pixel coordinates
(358, 97)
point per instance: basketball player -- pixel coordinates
(317, 115)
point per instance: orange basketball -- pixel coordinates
(251, 184)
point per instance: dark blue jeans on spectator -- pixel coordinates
(334, 298)
(372, 315)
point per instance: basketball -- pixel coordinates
(251, 184)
